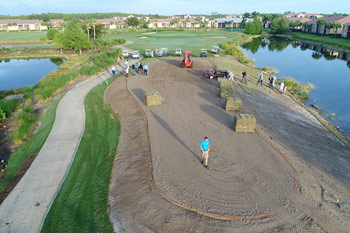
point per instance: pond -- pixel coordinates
(15, 74)
(328, 70)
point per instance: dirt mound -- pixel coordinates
(249, 177)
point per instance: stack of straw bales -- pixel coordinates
(226, 92)
(152, 99)
(233, 104)
(244, 123)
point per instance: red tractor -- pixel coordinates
(187, 61)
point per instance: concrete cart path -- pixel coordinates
(25, 209)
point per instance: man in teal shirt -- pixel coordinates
(205, 148)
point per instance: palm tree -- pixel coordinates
(336, 25)
(321, 22)
(93, 22)
(307, 25)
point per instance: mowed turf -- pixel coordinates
(81, 204)
(193, 40)
(21, 35)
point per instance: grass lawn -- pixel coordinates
(323, 39)
(21, 37)
(194, 40)
(33, 146)
(81, 204)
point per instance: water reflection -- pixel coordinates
(279, 44)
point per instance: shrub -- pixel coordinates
(7, 106)
(27, 92)
(2, 116)
(297, 89)
(51, 33)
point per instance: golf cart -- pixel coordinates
(125, 53)
(215, 50)
(204, 53)
(178, 52)
(149, 53)
(215, 73)
(135, 54)
(187, 61)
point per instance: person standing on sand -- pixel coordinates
(113, 70)
(133, 69)
(270, 82)
(281, 87)
(273, 80)
(145, 69)
(127, 71)
(141, 68)
(138, 67)
(126, 63)
(205, 148)
(230, 76)
(244, 77)
(261, 78)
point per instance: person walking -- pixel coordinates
(145, 69)
(133, 67)
(113, 70)
(138, 67)
(281, 87)
(244, 77)
(127, 71)
(205, 148)
(261, 78)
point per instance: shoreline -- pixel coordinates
(333, 128)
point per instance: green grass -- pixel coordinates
(33, 145)
(21, 37)
(193, 40)
(323, 39)
(81, 204)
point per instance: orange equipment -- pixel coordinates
(187, 61)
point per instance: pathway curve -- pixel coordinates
(25, 209)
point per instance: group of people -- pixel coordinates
(272, 80)
(141, 69)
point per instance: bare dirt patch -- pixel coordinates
(271, 173)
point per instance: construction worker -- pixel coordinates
(113, 70)
(244, 76)
(230, 76)
(205, 148)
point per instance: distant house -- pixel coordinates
(303, 15)
(189, 23)
(198, 17)
(234, 16)
(346, 30)
(57, 23)
(322, 29)
(161, 23)
(302, 20)
(111, 23)
(228, 22)
(22, 25)
(124, 17)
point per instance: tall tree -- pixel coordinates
(75, 38)
(279, 25)
(132, 21)
(59, 41)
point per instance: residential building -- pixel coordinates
(196, 17)
(111, 23)
(322, 29)
(303, 15)
(346, 31)
(228, 22)
(124, 17)
(302, 20)
(22, 25)
(161, 23)
(234, 16)
(57, 23)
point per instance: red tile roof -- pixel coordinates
(20, 21)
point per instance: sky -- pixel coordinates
(171, 7)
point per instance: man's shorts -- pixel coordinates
(206, 154)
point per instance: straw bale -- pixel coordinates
(226, 92)
(244, 123)
(152, 99)
(233, 104)
(225, 83)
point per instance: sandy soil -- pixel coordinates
(284, 177)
